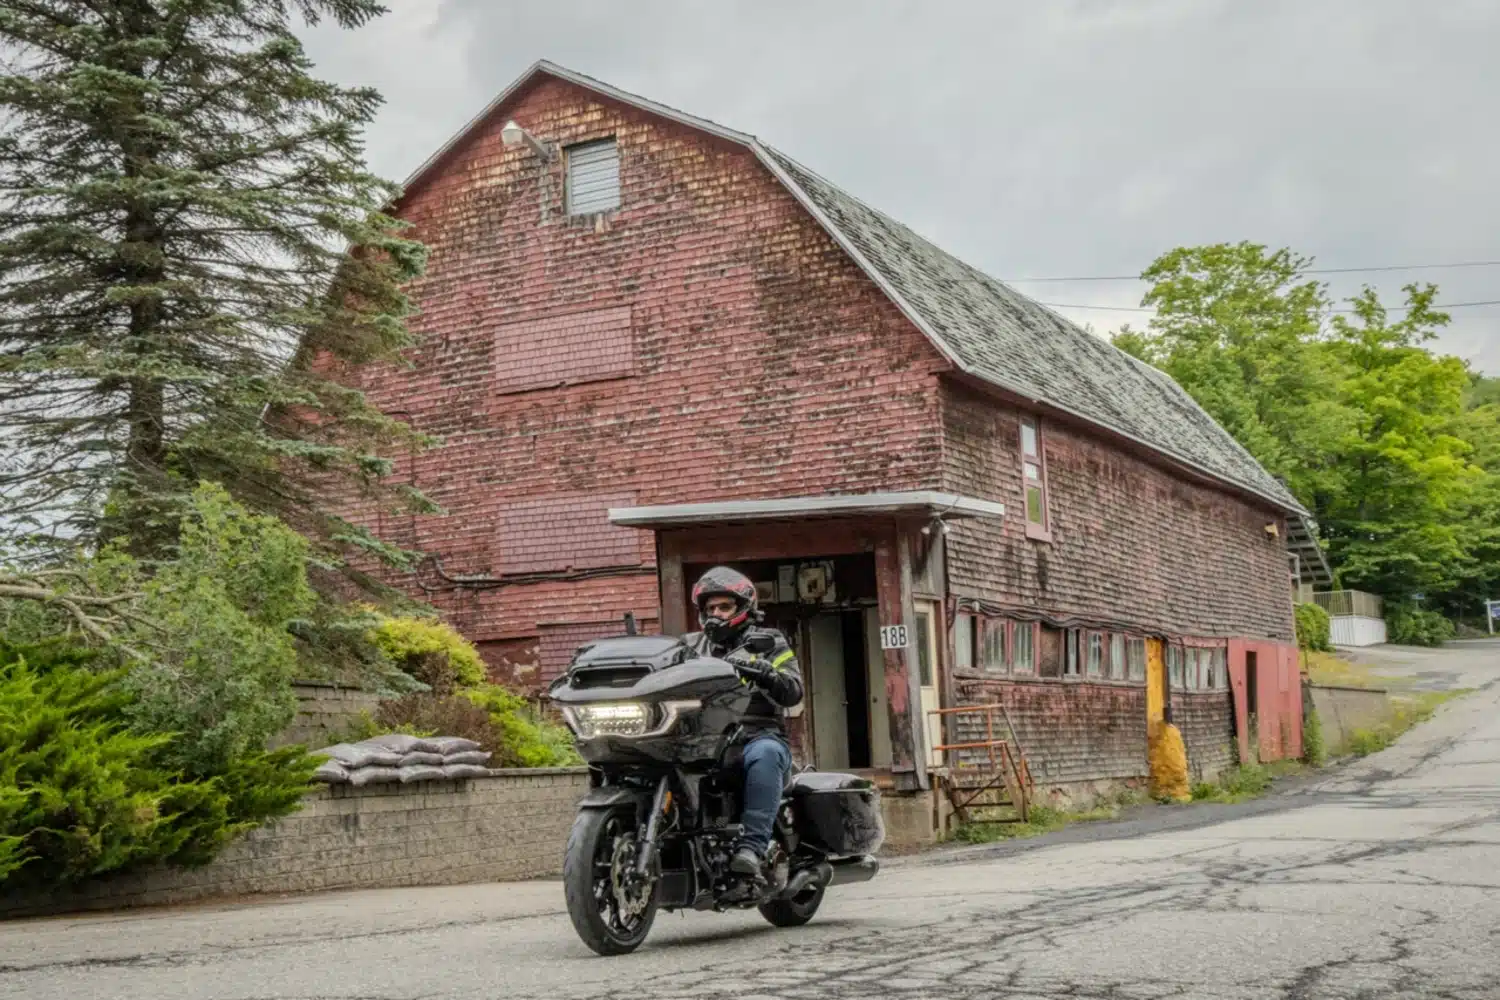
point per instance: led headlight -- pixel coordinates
(626, 718)
(623, 718)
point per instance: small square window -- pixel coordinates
(1034, 480)
(993, 654)
(1028, 439)
(1023, 653)
(593, 183)
(1135, 656)
(1117, 657)
(963, 642)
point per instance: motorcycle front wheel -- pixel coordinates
(611, 908)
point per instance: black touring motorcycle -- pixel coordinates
(657, 725)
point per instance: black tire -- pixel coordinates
(592, 906)
(796, 911)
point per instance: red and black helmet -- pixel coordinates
(721, 581)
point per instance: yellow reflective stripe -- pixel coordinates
(780, 661)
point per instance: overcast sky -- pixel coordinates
(1040, 139)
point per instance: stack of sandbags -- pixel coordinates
(401, 758)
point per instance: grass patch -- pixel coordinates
(1248, 781)
(1407, 711)
(1333, 670)
(1046, 819)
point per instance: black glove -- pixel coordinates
(751, 667)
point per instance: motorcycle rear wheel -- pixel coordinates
(600, 849)
(796, 911)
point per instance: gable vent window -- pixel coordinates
(593, 184)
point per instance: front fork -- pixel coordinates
(647, 853)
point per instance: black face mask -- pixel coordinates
(723, 633)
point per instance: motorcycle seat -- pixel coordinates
(812, 782)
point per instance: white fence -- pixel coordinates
(1356, 630)
(1357, 618)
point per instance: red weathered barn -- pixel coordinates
(652, 344)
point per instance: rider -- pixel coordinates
(729, 616)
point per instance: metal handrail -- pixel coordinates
(1003, 760)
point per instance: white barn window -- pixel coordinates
(593, 177)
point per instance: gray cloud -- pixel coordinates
(1065, 138)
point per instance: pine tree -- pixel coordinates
(190, 250)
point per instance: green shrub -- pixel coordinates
(1363, 742)
(1246, 781)
(1313, 628)
(336, 644)
(431, 651)
(81, 794)
(1314, 750)
(526, 739)
(430, 713)
(1409, 626)
(366, 726)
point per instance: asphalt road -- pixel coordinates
(1381, 880)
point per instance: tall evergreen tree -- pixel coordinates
(190, 249)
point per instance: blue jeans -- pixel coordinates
(767, 764)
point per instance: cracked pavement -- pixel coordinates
(1380, 879)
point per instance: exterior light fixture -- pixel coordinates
(514, 135)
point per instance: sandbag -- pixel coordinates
(357, 755)
(420, 757)
(467, 757)
(331, 772)
(447, 745)
(453, 771)
(403, 744)
(423, 772)
(374, 775)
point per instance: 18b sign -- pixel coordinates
(893, 637)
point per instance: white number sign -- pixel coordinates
(893, 637)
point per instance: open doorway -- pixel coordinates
(837, 678)
(826, 607)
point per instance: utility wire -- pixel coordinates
(1311, 270)
(1437, 306)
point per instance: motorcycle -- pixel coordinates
(659, 728)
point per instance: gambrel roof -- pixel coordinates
(986, 329)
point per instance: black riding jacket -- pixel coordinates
(779, 689)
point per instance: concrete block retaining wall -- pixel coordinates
(323, 712)
(1343, 710)
(510, 825)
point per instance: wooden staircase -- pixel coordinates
(987, 779)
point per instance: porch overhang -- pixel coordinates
(909, 503)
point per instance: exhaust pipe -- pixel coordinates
(851, 870)
(819, 874)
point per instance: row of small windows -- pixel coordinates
(1030, 649)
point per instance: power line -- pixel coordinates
(1437, 306)
(1312, 270)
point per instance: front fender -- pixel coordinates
(610, 797)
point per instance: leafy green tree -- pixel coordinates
(1386, 443)
(190, 250)
(205, 638)
(1240, 327)
(1406, 478)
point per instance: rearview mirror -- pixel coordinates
(761, 643)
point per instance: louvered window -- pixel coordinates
(593, 177)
